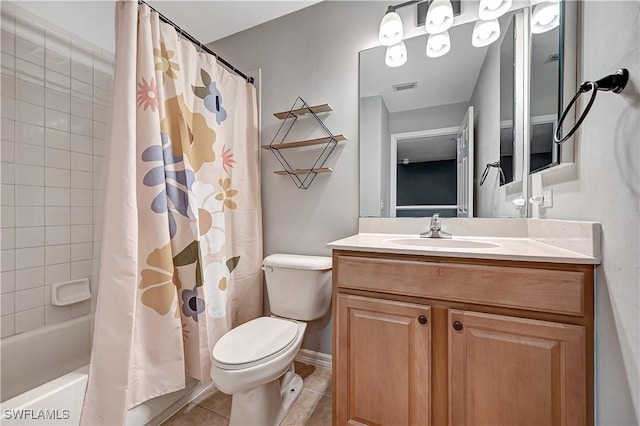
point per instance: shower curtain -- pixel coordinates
(182, 245)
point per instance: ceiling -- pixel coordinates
(212, 20)
(430, 148)
(446, 80)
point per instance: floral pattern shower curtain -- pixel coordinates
(182, 239)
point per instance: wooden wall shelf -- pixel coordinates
(309, 142)
(303, 171)
(302, 111)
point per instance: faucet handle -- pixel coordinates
(435, 221)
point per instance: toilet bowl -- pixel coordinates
(254, 361)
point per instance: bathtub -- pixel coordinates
(45, 374)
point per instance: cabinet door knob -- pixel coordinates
(422, 319)
(457, 325)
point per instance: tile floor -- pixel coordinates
(313, 407)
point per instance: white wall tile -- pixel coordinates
(81, 108)
(57, 158)
(7, 195)
(7, 86)
(8, 281)
(57, 216)
(7, 217)
(28, 71)
(81, 180)
(102, 79)
(30, 237)
(29, 278)
(100, 113)
(98, 147)
(8, 42)
(82, 90)
(81, 198)
(8, 108)
(57, 62)
(57, 81)
(57, 100)
(57, 139)
(29, 216)
(7, 64)
(29, 257)
(31, 134)
(80, 71)
(81, 126)
(8, 260)
(57, 197)
(29, 113)
(29, 299)
(8, 22)
(8, 151)
(56, 314)
(29, 195)
(29, 154)
(8, 325)
(82, 144)
(7, 238)
(99, 130)
(7, 173)
(59, 43)
(57, 273)
(29, 31)
(56, 235)
(8, 303)
(57, 119)
(81, 251)
(81, 269)
(29, 320)
(79, 309)
(29, 51)
(59, 178)
(82, 162)
(7, 131)
(81, 233)
(29, 175)
(81, 215)
(101, 96)
(58, 254)
(30, 93)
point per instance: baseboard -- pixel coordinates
(317, 359)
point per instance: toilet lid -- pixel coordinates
(254, 341)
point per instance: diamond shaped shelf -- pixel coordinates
(302, 177)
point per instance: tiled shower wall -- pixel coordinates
(55, 99)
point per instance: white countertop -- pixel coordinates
(520, 249)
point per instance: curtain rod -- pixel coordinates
(195, 41)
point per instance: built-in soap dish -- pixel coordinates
(70, 292)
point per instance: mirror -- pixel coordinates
(429, 128)
(545, 95)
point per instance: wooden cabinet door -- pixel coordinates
(513, 371)
(383, 362)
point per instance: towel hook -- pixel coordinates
(615, 83)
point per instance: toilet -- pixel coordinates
(254, 361)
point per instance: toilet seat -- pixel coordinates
(254, 343)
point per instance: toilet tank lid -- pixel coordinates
(297, 261)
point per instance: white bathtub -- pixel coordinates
(41, 377)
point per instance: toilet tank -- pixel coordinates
(298, 287)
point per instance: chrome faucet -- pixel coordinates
(435, 229)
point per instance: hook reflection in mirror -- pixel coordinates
(615, 83)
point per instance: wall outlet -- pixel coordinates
(547, 198)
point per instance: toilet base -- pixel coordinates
(268, 404)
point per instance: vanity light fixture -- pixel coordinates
(439, 17)
(493, 9)
(396, 55)
(545, 17)
(391, 29)
(485, 33)
(438, 44)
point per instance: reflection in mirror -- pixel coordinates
(507, 103)
(420, 152)
(545, 96)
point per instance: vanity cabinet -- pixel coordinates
(422, 340)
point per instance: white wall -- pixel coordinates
(427, 118)
(371, 109)
(605, 187)
(90, 20)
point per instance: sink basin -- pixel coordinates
(443, 243)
